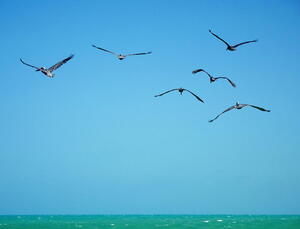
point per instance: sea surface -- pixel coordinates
(150, 221)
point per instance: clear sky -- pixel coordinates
(94, 140)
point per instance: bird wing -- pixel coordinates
(141, 53)
(197, 97)
(228, 109)
(60, 63)
(105, 50)
(246, 42)
(29, 65)
(259, 108)
(201, 70)
(223, 77)
(166, 92)
(219, 37)
(197, 70)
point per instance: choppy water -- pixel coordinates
(148, 221)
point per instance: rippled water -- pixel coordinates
(151, 221)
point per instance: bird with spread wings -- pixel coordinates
(121, 56)
(181, 90)
(213, 79)
(231, 47)
(49, 71)
(239, 106)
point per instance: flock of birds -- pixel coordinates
(49, 72)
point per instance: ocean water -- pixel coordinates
(151, 221)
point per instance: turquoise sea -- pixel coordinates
(151, 221)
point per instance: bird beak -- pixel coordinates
(38, 70)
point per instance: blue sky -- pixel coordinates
(94, 140)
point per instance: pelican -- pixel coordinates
(239, 106)
(213, 79)
(180, 91)
(231, 47)
(48, 71)
(121, 56)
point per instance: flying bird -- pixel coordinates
(231, 47)
(48, 71)
(121, 56)
(239, 106)
(213, 79)
(181, 90)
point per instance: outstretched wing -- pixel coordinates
(105, 50)
(201, 70)
(246, 42)
(218, 37)
(60, 63)
(29, 64)
(141, 53)
(197, 97)
(197, 70)
(259, 108)
(223, 77)
(228, 109)
(166, 92)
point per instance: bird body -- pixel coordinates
(181, 90)
(121, 56)
(46, 72)
(231, 47)
(49, 71)
(213, 79)
(239, 106)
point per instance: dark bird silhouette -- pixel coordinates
(181, 90)
(48, 71)
(213, 79)
(121, 56)
(231, 47)
(239, 106)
